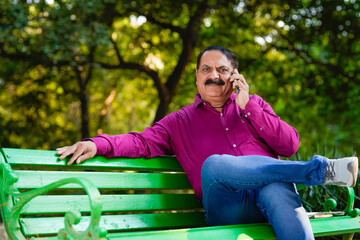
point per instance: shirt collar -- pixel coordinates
(199, 101)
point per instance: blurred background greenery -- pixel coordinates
(71, 69)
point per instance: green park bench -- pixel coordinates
(120, 198)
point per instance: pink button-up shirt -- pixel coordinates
(197, 131)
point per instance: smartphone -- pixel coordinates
(237, 87)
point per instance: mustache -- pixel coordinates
(217, 82)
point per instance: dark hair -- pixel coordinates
(229, 54)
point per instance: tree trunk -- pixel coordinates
(163, 107)
(190, 37)
(84, 102)
(173, 80)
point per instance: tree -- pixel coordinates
(71, 36)
(135, 62)
(51, 37)
(302, 57)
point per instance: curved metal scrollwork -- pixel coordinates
(330, 204)
(72, 218)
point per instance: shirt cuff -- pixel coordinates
(252, 110)
(103, 146)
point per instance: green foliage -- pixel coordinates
(30, 110)
(301, 56)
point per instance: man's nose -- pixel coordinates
(214, 74)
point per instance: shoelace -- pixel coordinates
(330, 171)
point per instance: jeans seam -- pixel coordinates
(264, 212)
(253, 184)
(206, 205)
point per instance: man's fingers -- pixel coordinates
(235, 83)
(66, 152)
(61, 150)
(79, 151)
(240, 82)
(236, 76)
(84, 157)
(242, 79)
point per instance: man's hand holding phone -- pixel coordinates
(239, 82)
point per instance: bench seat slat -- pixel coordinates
(46, 158)
(262, 231)
(111, 203)
(321, 227)
(104, 180)
(44, 226)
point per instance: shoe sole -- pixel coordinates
(353, 167)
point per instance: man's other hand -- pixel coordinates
(80, 151)
(242, 97)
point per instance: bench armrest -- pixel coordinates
(92, 232)
(349, 209)
(330, 204)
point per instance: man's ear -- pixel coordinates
(196, 73)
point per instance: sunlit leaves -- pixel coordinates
(301, 56)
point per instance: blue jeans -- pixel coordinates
(252, 189)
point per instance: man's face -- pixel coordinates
(213, 75)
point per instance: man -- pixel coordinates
(228, 145)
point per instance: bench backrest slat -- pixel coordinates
(42, 226)
(46, 158)
(104, 180)
(111, 203)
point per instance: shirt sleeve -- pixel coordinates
(153, 141)
(282, 138)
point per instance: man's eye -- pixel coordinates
(205, 70)
(224, 70)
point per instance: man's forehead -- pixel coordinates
(214, 57)
(216, 65)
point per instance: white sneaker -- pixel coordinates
(342, 171)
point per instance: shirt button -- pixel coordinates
(248, 114)
(260, 129)
(204, 103)
(234, 145)
(221, 114)
(227, 129)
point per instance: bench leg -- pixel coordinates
(348, 236)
